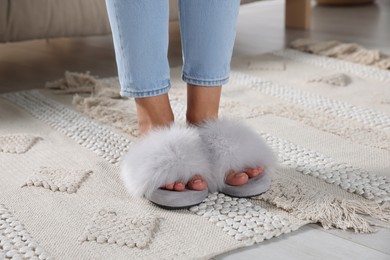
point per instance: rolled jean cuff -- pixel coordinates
(205, 82)
(162, 89)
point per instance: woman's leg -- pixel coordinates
(140, 35)
(208, 30)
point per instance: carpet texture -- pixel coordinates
(328, 120)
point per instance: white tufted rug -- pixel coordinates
(61, 197)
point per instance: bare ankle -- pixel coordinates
(145, 124)
(153, 112)
(197, 118)
(202, 103)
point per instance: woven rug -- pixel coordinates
(61, 197)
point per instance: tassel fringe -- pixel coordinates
(309, 204)
(104, 103)
(73, 82)
(346, 51)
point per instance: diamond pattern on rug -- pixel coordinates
(108, 226)
(337, 79)
(58, 179)
(15, 241)
(17, 143)
(241, 219)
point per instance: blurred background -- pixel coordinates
(41, 39)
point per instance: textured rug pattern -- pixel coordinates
(331, 143)
(16, 241)
(16, 143)
(107, 226)
(57, 179)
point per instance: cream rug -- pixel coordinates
(61, 197)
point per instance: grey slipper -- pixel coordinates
(177, 200)
(233, 146)
(166, 155)
(255, 186)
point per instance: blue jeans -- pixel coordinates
(140, 35)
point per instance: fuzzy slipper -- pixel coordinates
(233, 146)
(166, 155)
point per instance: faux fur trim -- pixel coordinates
(233, 146)
(165, 155)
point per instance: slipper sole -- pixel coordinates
(177, 199)
(254, 187)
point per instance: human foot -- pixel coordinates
(165, 156)
(202, 103)
(241, 159)
(153, 112)
(196, 183)
(156, 112)
(240, 178)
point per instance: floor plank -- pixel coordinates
(379, 240)
(306, 243)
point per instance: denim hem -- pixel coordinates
(205, 82)
(147, 93)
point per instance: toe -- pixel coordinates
(179, 186)
(197, 183)
(261, 169)
(236, 179)
(168, 186)
(253, 172)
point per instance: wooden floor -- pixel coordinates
(260, 29)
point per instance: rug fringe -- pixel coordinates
(309, 204)
(73, 82)
(363, 56)
(77, 83)
(112, 112)
(105, 103)
(345, 51)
